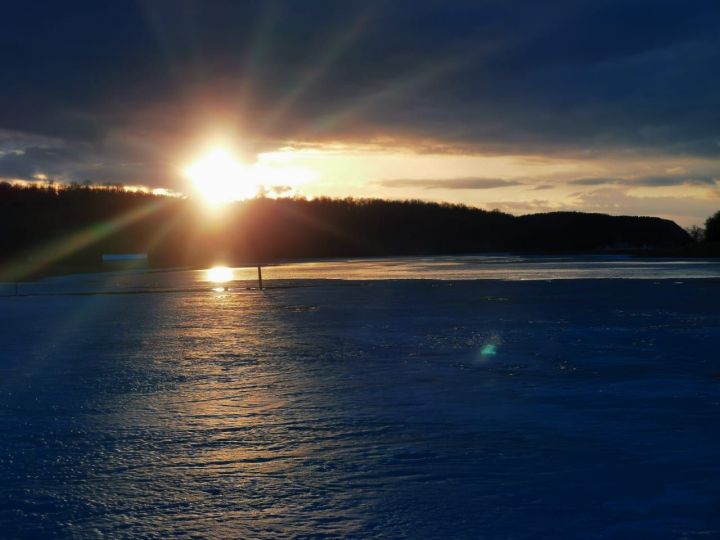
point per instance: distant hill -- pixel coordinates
(573, 231)
(45, 227)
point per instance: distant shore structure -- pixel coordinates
(125, 260)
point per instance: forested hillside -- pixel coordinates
(46, 226)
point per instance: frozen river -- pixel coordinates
(505, 267)
(359, 407)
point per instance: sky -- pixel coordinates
(523, 106)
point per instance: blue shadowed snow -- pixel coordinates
(423, 409)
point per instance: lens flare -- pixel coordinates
(220, 178)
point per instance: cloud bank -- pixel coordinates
(121, 91)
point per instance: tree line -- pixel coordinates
(46, 226)
(710, 234)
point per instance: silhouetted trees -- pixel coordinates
(46, 225)
(697, 233)
(712, 228)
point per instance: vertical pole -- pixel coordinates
(260, 285)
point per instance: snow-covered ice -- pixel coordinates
(577, 408)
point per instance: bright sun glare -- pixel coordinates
(220, 178)
(219, 274)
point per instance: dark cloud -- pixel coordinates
(34, 160)
(648, 181)
(592, 181)
(77, 163)
(660, 181)
(450, 183)
(135, 82)
(279, 190)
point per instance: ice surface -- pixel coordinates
(506, 267)
(416, 408)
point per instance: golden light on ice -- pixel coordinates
(219, 274)
(221, 178)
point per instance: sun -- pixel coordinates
(221, 178)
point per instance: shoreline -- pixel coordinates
(655, 255)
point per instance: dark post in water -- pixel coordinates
(260, 285)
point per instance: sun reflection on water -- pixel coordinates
(219, 274)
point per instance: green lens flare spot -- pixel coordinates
(488, 350)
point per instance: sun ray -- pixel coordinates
(333, 52)
(430, 73)
(58, 249)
